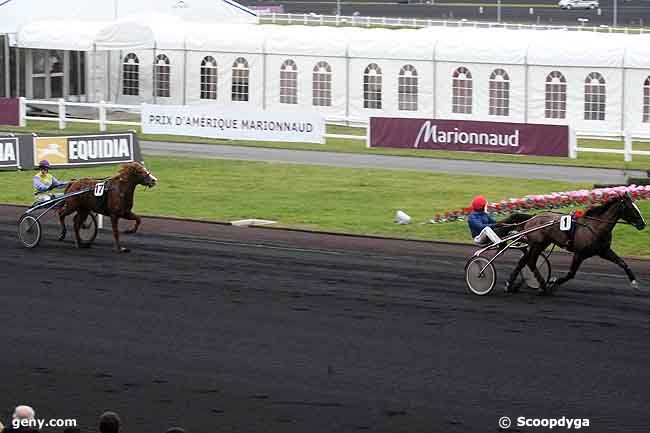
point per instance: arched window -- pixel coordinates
(289, 82)
(462, 91)
(499, 93)
(161, 76)
(407, 89)
(555, 96)
(372, 87)
(131, 75)
(595, 97)
(646, 100)
(240, 74)
(322, 85)
(209, 78)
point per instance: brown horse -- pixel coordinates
(592, 237)
(115, 202)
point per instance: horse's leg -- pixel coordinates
(544, 288)
(116, 236)
(509, 288)
(131, 216)
(63, 212)
(575, 265)
(611, 256)
(77, 225)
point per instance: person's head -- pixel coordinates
(109, 422)
(24, 412)
(479, 203)
(44, 166)
(175, 430)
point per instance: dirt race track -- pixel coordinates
(224, 329)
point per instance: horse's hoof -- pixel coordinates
(510, 288)
(635, 284)
(124, 250)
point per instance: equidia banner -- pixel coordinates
(9, 153)
(466, 135)
(221, 122)
(82, 150)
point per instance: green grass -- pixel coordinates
(317, 198)
(357, 146)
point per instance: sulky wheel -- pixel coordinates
(88, 230)
(480, 276)
(29, 231)
(544, 268)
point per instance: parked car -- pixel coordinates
(578, 4)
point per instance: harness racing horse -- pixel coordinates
(592, 237)
(115, 202)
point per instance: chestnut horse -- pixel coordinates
(115, 202)
(592, 237)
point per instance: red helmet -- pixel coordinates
(479, 202)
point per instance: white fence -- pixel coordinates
(359, 21)
(102, 108)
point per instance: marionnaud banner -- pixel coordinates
(214, 121)
(469, 135)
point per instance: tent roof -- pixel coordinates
(495, 46)
(570, 48)
(16, 13)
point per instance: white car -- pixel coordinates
(578, 4)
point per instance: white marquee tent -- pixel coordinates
(14, 14)
(597, 82)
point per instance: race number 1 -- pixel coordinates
(99, 189)
(565, 223)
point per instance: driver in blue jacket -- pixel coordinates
(480, 222)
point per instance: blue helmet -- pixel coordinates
(44, 164)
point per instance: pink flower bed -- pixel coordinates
(555, 200)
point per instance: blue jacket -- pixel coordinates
(477, 221)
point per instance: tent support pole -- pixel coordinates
(93, 79)
(347, 87)
(184, 73)
(18, 72)
(623, 104)
(155, 79)
(526, 91)
(6, 84)
(108, 76)
(264, 78)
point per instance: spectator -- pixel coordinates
(175, 430)
(22, 413)
(109, 422)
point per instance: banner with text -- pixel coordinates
(224, 122)
(9, 111)
(9, 153)
(469, 135)
(80, 150)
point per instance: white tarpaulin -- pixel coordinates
(16, 13)
(215, 121)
